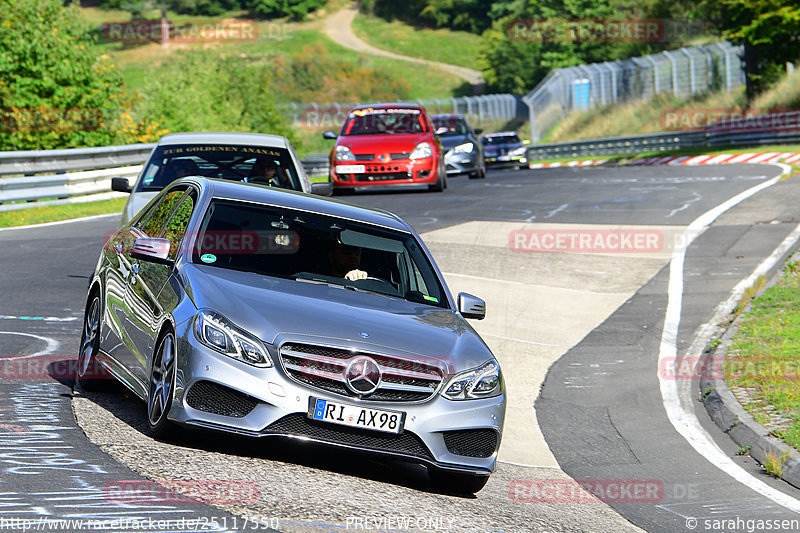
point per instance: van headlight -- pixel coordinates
(220, 334)
(485, 381)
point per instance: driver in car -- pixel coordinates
(344, 262)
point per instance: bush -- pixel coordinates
(54, 93)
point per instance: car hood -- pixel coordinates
(276, 309)
(386, 143)
(451, 141)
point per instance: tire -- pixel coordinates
(161, 387)
(441, 181)
(456, 482)
(89, 369)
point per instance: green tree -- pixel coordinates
(198, 91)
(54, 93)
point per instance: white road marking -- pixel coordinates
(82, 219)
(52, 344)
(557, 210)
(42, 318)
(697, 198)
(682, 420)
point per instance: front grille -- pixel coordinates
(386, 176)
(299, 425)
(219, 400)
(322, 367)
(400, 155)
(365, 157)
(471, 442)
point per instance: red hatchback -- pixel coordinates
(387, 144)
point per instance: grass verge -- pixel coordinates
(763, 358)
(55, 213)
(442, 45)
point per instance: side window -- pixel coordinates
(177, 225)
(153, 224)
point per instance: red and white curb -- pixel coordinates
(586, 163)
(750, 157)
(721, 159)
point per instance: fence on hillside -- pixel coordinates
(479, 110)
(682, 72)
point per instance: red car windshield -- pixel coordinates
(371, 121)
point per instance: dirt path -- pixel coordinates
(338, 26)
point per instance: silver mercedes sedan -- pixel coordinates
(271, 313)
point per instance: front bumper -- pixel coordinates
(406, 171)
(264, 402)
(461, 163)
(506, 160)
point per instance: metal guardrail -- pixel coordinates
(84, 173)
(33, 188)
(776, 128)
(60, 161)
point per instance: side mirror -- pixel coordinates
(152, 250)
(478, 131)
(471, 306)
(329, 135)
(322, 188)
(120, 185)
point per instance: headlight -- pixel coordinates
(218, 333)
(465, 148)
(518, 151)
(343, 153)
(483, 382)
(421, 151)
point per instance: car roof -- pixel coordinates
(389, 106)
(297, 200)
(448, 115)
(252, 139)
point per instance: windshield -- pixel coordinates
(313, 248)
(447, 126)
(501, 139)
(384, 120)
(250, 164)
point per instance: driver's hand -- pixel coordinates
(355, 274)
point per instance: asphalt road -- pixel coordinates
(600, 410)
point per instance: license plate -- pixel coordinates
(504, 158)
(350, 169)
(355, 416)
